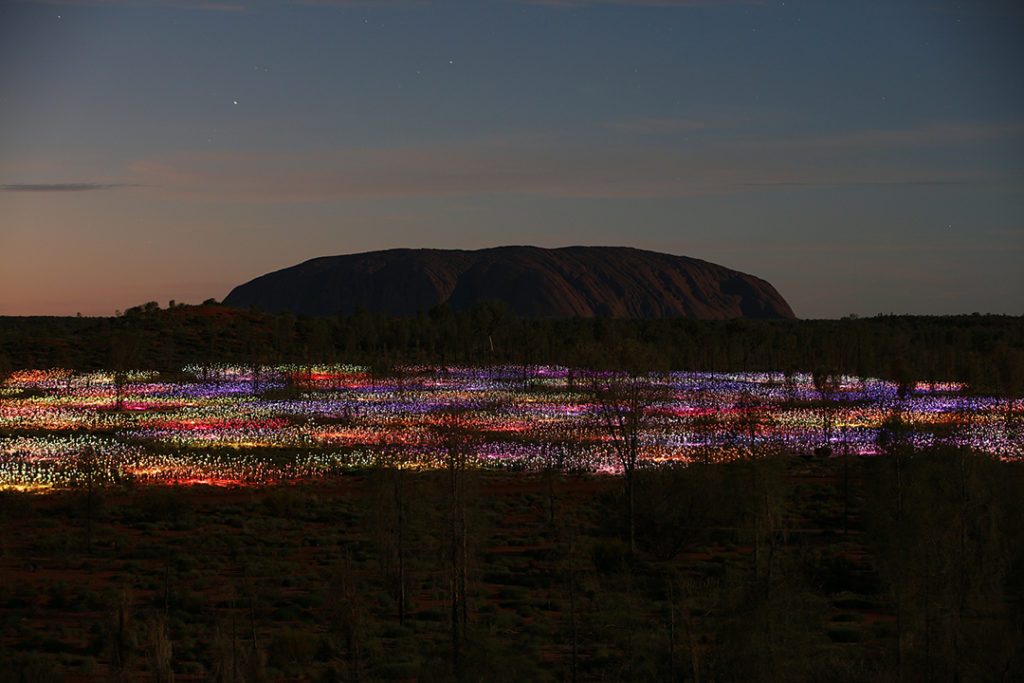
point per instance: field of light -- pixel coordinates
(251, 426)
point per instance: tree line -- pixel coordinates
(985, 351)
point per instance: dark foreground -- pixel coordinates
(908, 566)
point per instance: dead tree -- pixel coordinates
(624, 404)
(455, 438)
(391, 510)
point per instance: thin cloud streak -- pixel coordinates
(936, 135)
(847, 248)
(64, 187)
(544, 167)
(362, 3)
(180, 4)
(242, 7)
(228, 6)
(991, 8)
(504, 168)
(639, 3)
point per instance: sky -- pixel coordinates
(864, 157)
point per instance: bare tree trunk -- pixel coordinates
(846, 484)
(623, 408)
(572, 609)
(161, 651)
(455, 555)
(400, 504)
(632, 508)
(463, 551)
(90, 467)
(234, 647)
(671, 630)
(252, 623)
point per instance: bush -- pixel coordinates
(610, 556)
(397, 671)
(846, 634)
(431, 614)
(513, 595)
(849, 617)
(32, 668)
(160, 503)
(290, 648)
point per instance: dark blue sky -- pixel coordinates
(864, 157)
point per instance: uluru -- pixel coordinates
(620, 282)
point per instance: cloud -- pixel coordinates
(228, 6)
(183, 4)
(63, 187)
(935, 135)
(255, 4)
(905, 182)
(992, 8)
(531, 167)
(639, 3)
(361, 3)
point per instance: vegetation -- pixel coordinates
(986, 352)
(904, 566)
(743, 571)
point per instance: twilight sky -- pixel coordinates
(864, 156)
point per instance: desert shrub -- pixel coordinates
(834, 573)
(395, 631)
(524, 609)
(846, 634)
(86, 665)
(290, 502)
(849, 617)
(532, 579)
(309, 600)
(148, 552)
(60, 544)
(488, 657)
(675, 506)
(513, 595)
(30, 667)
(41, 643)
(609, 555)
(59, 594)
(391, 670)
(14, 505)
(291, 648)
(160, 504)
(883, 629)
(186, 600)
(496, 573)
(850, 601)
(288, 612)
(191, 668)
(432, 614)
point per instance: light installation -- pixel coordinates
(260, 425)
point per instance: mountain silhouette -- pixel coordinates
(619, 282)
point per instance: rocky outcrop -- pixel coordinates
(619, 282)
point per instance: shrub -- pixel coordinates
(431, 614)
(290, 648)
(846, 634)
(609, 556)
